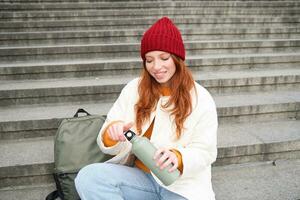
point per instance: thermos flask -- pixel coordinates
(144, 150)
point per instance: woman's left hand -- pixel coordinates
(164, 157)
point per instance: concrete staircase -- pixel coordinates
(57, 56)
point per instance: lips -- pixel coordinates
(160, 75)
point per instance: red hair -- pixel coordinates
(180, 100)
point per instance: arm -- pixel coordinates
(122, 109)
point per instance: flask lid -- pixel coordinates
(129, 134)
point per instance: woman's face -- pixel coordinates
(161, 66)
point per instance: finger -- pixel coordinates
(162, 159)
(127, 126)
(115, 131)
(171, 159)
(120, 133)
(173, 168)
(174, 162)
(111, 131)
(158, 153)
(166, 164)
(122, 137)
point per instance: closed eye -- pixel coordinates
(148, 61)
(166, 58)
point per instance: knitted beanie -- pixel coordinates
(163, 35)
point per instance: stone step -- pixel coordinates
(144, 13)
(125, 50)
(39, 120)
(274, 180)
(246, 53)
(87, 1)
(113, 24)
(262, 180)
(262, 137)
(30, 161)
(108, 87)
(93, 26)
(145, 5)
(27, 192)
(134, 36)
(101, 67)
(274, 184)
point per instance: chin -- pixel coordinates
(161, 81)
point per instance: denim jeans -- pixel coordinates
(113, 182)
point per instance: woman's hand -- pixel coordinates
(164, 157)
(116, 130)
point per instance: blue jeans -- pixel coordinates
(113, 182)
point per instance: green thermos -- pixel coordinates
(144, 150)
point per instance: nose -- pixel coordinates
(157, 65)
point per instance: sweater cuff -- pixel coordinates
(107, 141)
(179, 157)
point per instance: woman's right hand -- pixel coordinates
(116, 131)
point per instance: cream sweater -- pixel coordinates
(197, 145)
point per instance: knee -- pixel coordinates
(93, 174)
(85, 175)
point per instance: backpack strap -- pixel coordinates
(81, 110)
(58, 192)
(53, 195)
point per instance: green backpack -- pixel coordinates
(75, 146)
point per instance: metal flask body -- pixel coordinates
(144, 150)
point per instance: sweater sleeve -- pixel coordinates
(179, 157)
(122, 109)
(107, 141)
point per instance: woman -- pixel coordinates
(178, 116)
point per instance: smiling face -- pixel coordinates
(160, 66)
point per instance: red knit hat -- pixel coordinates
(163, 35)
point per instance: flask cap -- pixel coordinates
(129, 135)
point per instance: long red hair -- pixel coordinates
(149, 93)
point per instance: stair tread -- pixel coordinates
(51, 111)
(269, 181)
(29, 192)
(63, 110)
(257, 94)
(11, 85)
(261, 180)
(40, 150)
(146, 4)
(241, 134)
(193, 42)
(27, 152)
(176, 18)
(137, 30)
(135, 59)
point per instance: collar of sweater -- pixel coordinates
(165, 91)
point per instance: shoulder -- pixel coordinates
(129, 92)
(131, 86)
(202, 98)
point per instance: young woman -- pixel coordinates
(179, 117)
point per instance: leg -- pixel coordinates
(166, 194)
(163, 193)
(111, 181)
